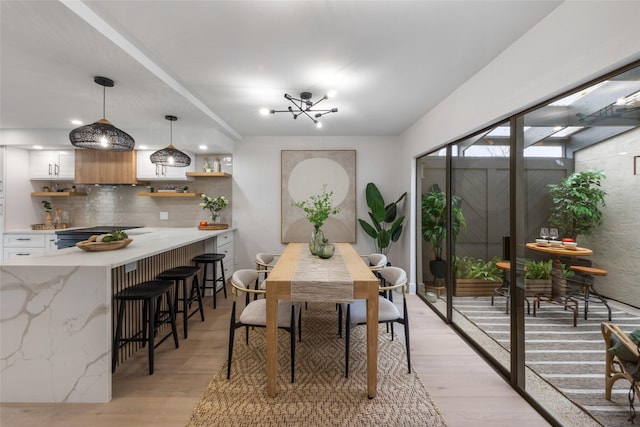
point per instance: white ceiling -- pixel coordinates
(214, 64)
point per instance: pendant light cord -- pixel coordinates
(104, 101)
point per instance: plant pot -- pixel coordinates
(475, 287)
(533, 287)
(438, 267)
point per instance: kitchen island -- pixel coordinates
(56, 312)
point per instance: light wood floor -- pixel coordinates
(465, 388)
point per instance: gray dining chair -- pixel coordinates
(254, 314)
(392, 278)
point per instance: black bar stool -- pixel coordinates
(212, 259)
(180, 275)
(150, 293)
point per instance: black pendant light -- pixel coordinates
(102, 135)
(170, 156)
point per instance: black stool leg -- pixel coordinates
(204, 278)
(172, 318)
(116, 341)
(224, 280)
(195, 287)
(180, 283)
(151, 326)
(215, 284)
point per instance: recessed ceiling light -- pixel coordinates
(332, 93)
(37, 147)
(76, 122)
(264, 111)
(202, 147)
(143, 147)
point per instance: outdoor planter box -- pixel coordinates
(539, 286)
(475, 287)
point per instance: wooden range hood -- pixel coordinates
(106, 167)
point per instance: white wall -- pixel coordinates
(616, 244)
(577, 42)
(256, 188)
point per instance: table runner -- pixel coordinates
(317, 279)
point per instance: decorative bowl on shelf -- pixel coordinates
(88, 246)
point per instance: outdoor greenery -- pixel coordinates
(386, 226)
(476, 268)
(434, 218)
(319, 207)
(576, 202)
(537, 270)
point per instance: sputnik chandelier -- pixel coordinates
(304, 105)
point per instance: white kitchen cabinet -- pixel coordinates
(52, 165)
(19, 245)
(224, 245)
(145, 170)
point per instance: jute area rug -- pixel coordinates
(320, 396)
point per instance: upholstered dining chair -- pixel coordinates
(392, 278)
(375, 261)
(254, 314)
(265, 262)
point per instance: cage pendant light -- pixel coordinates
(102, 135)
(170, 155)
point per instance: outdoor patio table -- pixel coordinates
(559, 298)
(299, 276)
(557, 251)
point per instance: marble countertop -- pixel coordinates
(147, 241)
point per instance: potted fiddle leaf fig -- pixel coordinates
(434, 224)
(576, 203)
(386, 226)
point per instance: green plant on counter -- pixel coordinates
(476, 268)
(537, 270)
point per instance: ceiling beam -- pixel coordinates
(93, 19)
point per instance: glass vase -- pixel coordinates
(215, 217)
(316, 240)
(326, 250)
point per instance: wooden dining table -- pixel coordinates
(299, 276)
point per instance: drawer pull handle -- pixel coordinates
(23, 238)
(23, 254)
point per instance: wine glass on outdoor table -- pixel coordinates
(553, 234)
(544, 233)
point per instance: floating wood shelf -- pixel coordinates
(210, 174)
(57, 193)
(169, 194)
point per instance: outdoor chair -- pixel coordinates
(622, 356)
